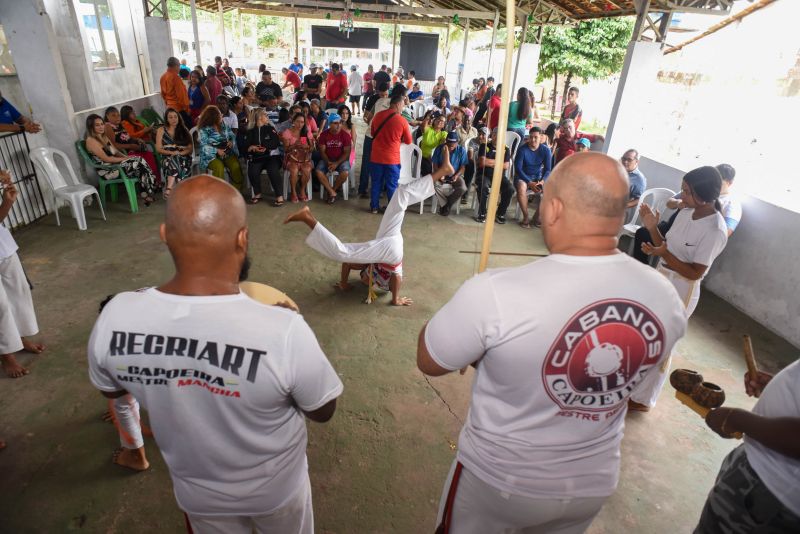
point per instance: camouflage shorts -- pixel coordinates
(740, 503)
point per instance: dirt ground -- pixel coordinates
(379, 465)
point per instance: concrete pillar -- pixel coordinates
(628, 115)
(460, 83)
(394, 45)
(222, 29)
(35, 49)
(528, 56)
(197, 52)
(159, 47)
(494, 42)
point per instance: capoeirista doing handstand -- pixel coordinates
(381, 259)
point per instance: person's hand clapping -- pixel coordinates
(649, 217)
(9, 189)
(652, 250)
(32, 127)
(754, 385)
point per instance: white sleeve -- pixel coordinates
(461, 331)
(313, 382)
(100, 377)
(733, 210)
(710, 246)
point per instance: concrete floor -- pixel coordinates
(379, 465)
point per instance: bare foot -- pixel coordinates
(12, 367)
(344, 286)
(32, 346)
(301, 215)
(108, 416)
(402, 301)
(131, 458)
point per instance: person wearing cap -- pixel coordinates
(334, 146)
(267, 85)
(452, 187)
(355, 82)
(312, 83)
(532, 166)
(335, 88)
(291, 78)
(583, 145)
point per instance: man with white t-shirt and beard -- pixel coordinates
(540, 449)
(226, 399)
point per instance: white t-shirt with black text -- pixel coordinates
(697, 241)
(8, 246)
(561, 343)
(781, 474)
(224, 379)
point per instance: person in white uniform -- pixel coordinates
(758, 486)
(17, 315)
(227, 400)
(540, 449)
(384, 254)
(697, 236)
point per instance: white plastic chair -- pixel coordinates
(411, 167)
(332, 176)
(329, 111)
(418, 109)
(72, 191)
(287, 195)
(657, 199)
(196, 152)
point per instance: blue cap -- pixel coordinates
(585, 142)
(452, 137)
(334, 117)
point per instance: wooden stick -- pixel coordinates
(702, 411)
(750, 357)
(504, 253)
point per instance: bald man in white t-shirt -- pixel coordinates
(555, 363)
(227, 399)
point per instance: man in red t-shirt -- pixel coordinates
(389, 130)
(567, 137)
(291, 78)
(494, 108)
(335, 87)
(334, 148)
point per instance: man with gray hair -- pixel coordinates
(637, 180)
(567, 137)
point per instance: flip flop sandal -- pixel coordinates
(278, 203)
(255, 200)
(331, 200)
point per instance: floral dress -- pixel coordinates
(122, 137)
(210, 140)
(178, 166)
(134, 167)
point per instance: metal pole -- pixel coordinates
(519, 52)
(494, 41)
(461, 67)
(501, 139)
(240, 32)
(394, 44)
(199, 57)
(222, 28)
(296, 40)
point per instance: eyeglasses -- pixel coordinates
(627, 160)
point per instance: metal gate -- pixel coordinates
(30, 205)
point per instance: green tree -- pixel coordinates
(591, 50)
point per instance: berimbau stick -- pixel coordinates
(750, 357)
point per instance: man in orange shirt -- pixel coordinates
(174, 92)
(389, 129)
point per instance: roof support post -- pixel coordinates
(296, 40)
(222, 27)
(394, 45)
(197, 53)
(519, 52)
(460, 83)
(494, 41)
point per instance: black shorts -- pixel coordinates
(355, 99)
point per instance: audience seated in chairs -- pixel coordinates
(103, 152)
(334, 149)
(135, 128)
(263, 153)
(567, 137)
(451, 188)
(347, 125)
(228, 116)
(636, 179)
(486, 163)
(520, 113)
(473, 148)
(174, 143)
(433, 135)
(298, 144)
(218, 149)
(532, 166)
(123, 142)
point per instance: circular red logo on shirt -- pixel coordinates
(602, 354)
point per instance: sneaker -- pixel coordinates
(444, 211)
(480, 219)
(500, 219)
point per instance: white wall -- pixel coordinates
(159, 47)
(758, 271)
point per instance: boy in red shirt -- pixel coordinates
(334, 147)
(389, 129)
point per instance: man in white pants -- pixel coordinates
(384, 254)
(227, 400)
(17, 316)
(556, 363)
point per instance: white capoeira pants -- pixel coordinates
(126, 410)
(295, 517)
(17, 316)
(387, 247)
(689, 292)
(480, 508)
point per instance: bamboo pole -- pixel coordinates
(501, 137)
